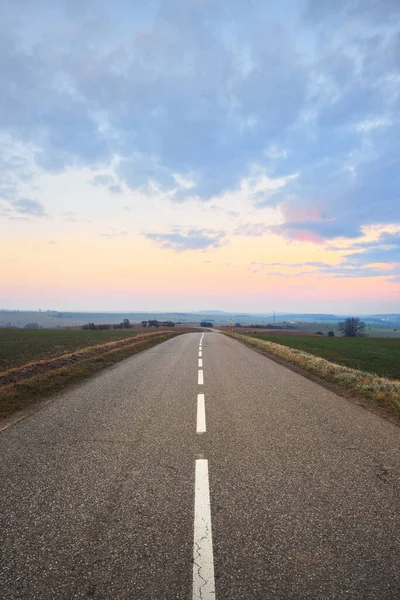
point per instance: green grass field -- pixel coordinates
(21, 346)
(371, 329)
(374, 355)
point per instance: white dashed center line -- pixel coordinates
(200, 353)
(200, 379)
(203, 560)
(200, 362)
(201, 414)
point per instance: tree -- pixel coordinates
(352, 327)
(331, 333)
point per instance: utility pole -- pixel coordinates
(274, 317)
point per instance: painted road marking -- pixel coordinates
(200, 353)
(201, 414)
(200, 377)
(200, 362)
(203, 560)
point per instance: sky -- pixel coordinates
(200, 154)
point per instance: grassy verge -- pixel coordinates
(21, 346)
(24, 392)
(374, 355)
(383, 391)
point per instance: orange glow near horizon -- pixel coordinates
(118, 268)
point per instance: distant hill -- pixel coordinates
(52, 319)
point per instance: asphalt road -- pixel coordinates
(114, 490)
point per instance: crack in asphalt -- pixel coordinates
(198, 555)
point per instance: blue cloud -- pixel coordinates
(108, 182)
(29, 207)
(384, 250)
(354, 265)
(191, 239)
(207, 89)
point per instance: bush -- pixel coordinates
(331, 333)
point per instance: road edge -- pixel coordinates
(98, 365)
(351, 395)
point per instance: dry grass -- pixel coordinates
(384, 391)
(44, 378)
(43, 366)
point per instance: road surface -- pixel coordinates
(199, 469)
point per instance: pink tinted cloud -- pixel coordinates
(301, 215)
(307, 225)
(306, 236)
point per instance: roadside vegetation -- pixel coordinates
(374, 355)
(38, 363)
(367, 367)
(21, 346)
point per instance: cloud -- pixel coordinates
(171, 98)
(190, 97)
(386, 249)
(252, 229)
(347, 268)
(29, 207)
(190, 239)
(301, 264)
(114, 234)
(367, 10)
(106, 181)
